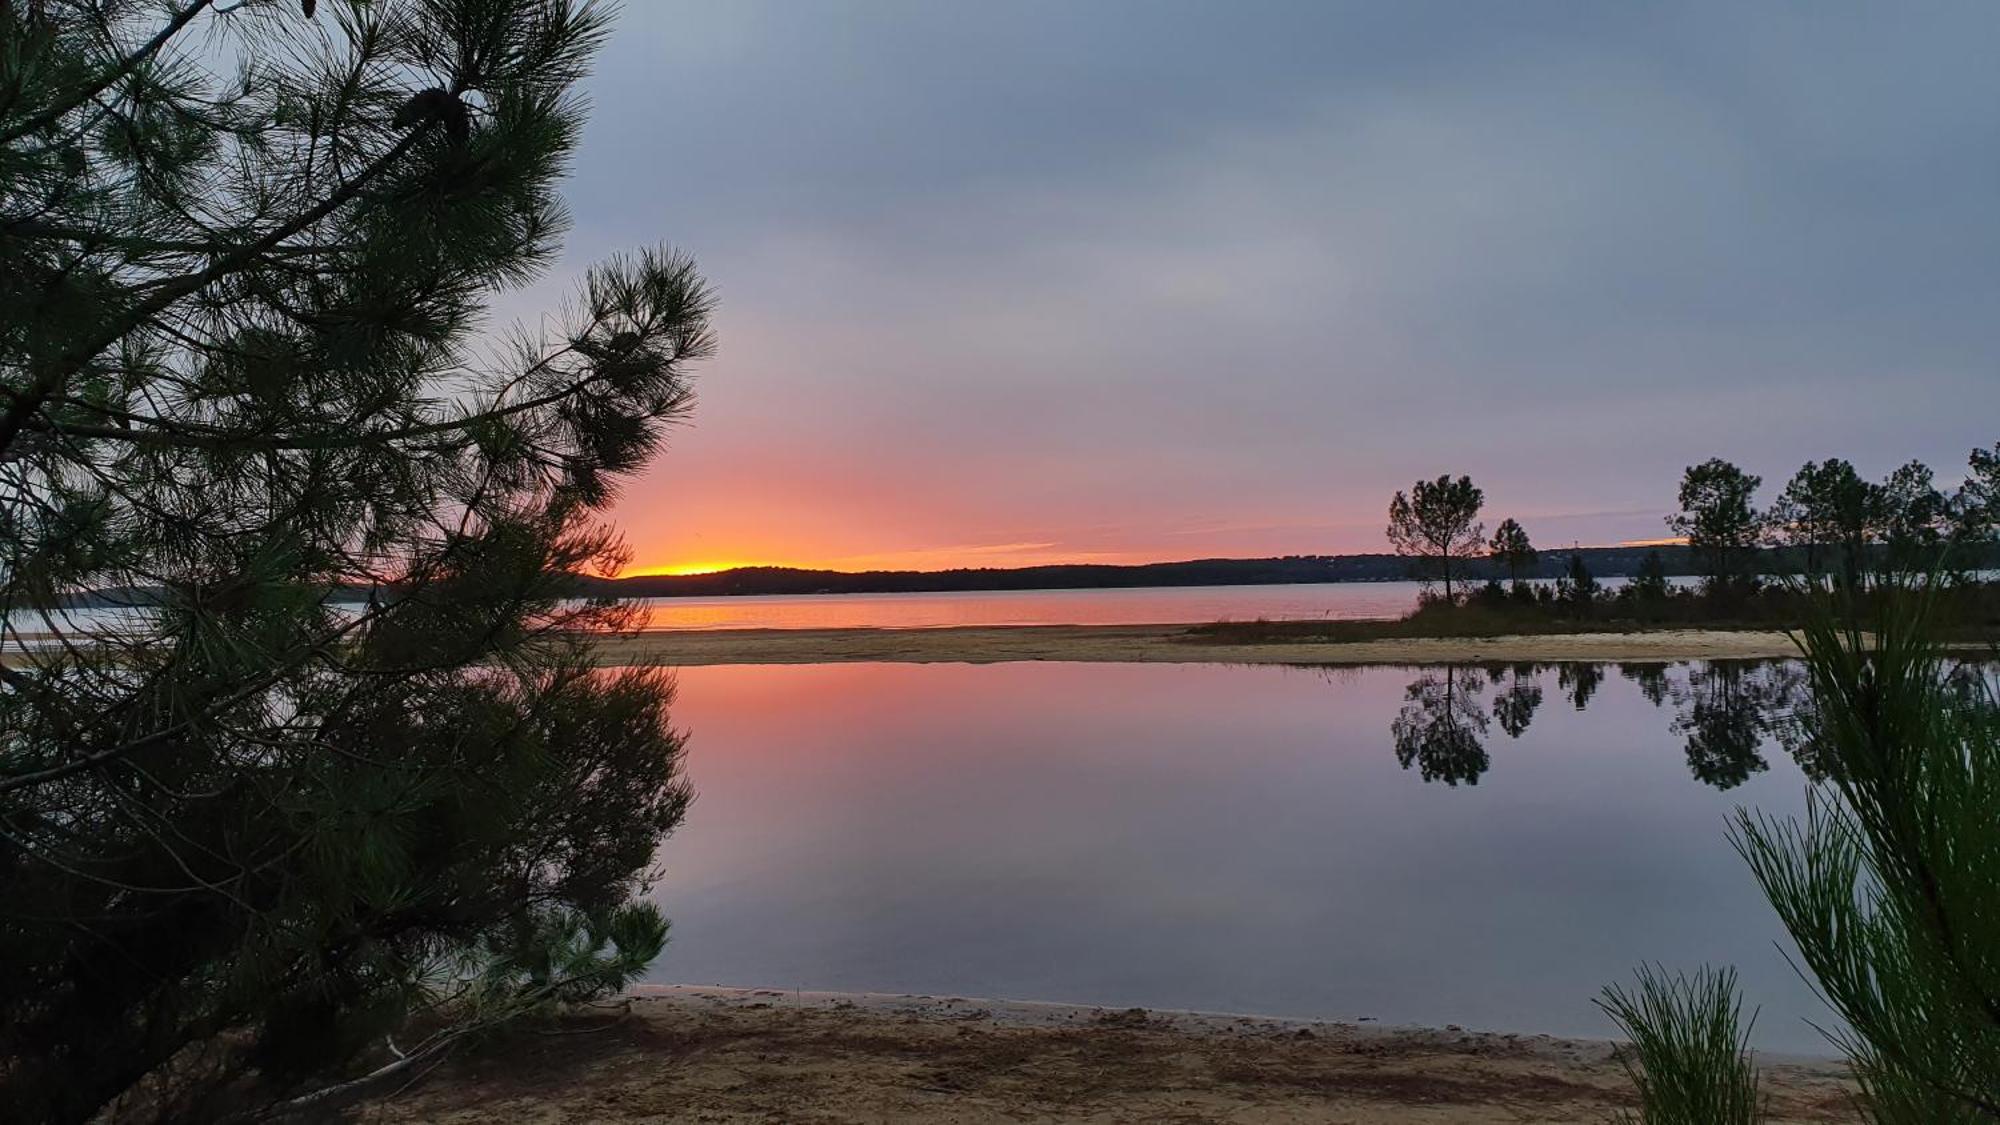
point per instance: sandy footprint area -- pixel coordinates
(736, 1055)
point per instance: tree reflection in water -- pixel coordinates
(1725, 710)
(1515, 705)
(1651, 679)
(1442, 726)
(1579, 682)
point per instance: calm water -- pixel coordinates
(1374, 843)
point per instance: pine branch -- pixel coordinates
(109, 78)
(51, 378)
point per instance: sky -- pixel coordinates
(1014, 283)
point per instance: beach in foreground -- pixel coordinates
(989, 644)
(729, 1055)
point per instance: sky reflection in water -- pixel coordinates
(1233, 839)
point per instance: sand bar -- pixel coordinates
(739, 1055)
(1163, 644)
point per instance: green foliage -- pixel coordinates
(1689, 1050)
(1719, 518)
(1437, 523)
(244, 252)
(1888, 887)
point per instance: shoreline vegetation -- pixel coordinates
(743, 1054)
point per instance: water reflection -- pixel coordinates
(1442, 726)
(1219, 838)
(1515, 706)
(1724, 712)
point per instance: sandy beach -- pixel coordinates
(1164, 643)
(739, 1055)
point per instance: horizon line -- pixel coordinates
(700, 570)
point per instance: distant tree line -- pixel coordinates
(1828, 522)
(1382, 567)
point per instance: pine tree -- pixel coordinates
(1510, 545)
(1437, 523)
(1719, 520)
(1827, 513)
(298, 737)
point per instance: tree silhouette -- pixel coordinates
(1437, 523)
(1718, 518)
(1913, 515)
(1577, 588)
(1977, 506)
(1442, 726)
(1827, 513)
(1511, 546)
(1648, 590)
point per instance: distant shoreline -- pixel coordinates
(1282, 570)
(1164, 644)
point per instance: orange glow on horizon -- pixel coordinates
(682, 569)
(950, 558)
(1004, 557)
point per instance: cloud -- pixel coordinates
(1100, 275)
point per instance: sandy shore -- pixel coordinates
(1163, 643)
(734, 1055)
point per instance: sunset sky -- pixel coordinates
(1015, 283)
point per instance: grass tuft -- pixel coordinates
(1689, 1052)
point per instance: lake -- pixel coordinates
(1481, 847)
